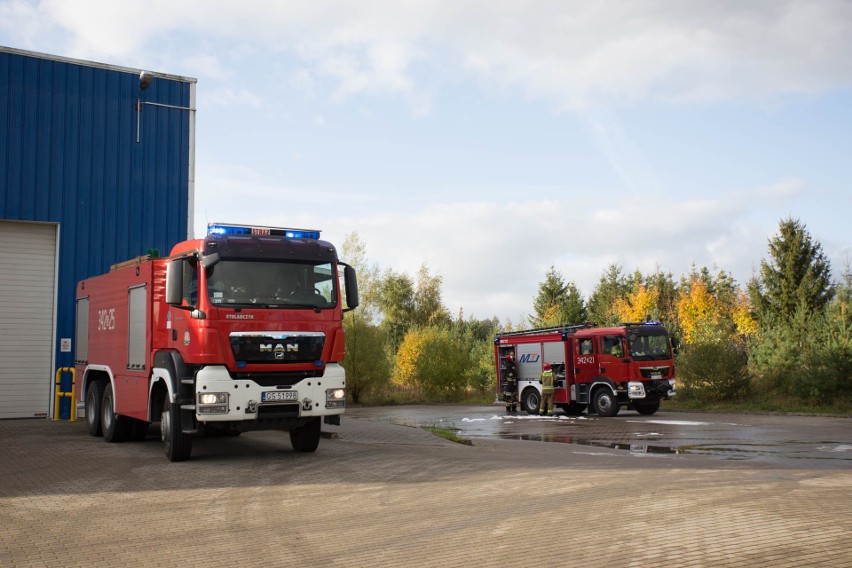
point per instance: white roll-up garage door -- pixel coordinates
(27, 301)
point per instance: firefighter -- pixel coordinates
(509, 382)
(546, 390)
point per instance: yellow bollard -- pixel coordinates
(60, 393)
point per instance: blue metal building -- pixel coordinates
(96, 167)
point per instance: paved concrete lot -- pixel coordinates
(383, 494)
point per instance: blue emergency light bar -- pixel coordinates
(226, 229)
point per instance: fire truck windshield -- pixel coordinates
(649, 345)
(271, 284)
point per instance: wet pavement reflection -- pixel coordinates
(822, 441)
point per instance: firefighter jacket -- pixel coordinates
(507, 374)
(547, 380)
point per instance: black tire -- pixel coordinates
(573, 408)
(115, 426)
(138, 430)
(530, 401)
(605, 403)
(306, 438)
(178, 445)
(648, 408)
(94, 397)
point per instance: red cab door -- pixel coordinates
(613, 363)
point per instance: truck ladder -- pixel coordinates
(565, 328)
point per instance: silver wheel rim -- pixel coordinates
(107, 413)
(166, 426)
(90, 408)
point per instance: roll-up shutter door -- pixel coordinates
(27, 299)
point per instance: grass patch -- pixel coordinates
(447, 434)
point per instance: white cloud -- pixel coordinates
(586, 57)
(574, 54)
(493, 255)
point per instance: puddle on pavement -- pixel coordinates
(638, 448)
(732, 452)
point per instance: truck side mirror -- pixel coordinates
(351, 282)
(209, 260)
(174, 282)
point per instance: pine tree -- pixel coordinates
(601, 307)
(797, 274)
(557, 302)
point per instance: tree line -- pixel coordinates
(784, 338)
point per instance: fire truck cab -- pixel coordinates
(601, 369)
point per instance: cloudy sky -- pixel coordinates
(493, 139)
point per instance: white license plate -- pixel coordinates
(656, 376)
(278, 396)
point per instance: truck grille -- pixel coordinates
(651, 372)
(277, 346)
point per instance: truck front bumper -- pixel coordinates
(220, 398)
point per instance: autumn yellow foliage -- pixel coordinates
(638, 304)
(743, 318)
(696, 308)
(407, 357)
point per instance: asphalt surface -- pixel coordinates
(382, 493)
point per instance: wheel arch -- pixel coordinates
(94, 373)
(599, 383)
(169, 367)
(159, 390)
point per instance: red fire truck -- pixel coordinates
(599, 368)
(241, 330)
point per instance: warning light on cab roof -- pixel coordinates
(228, 229)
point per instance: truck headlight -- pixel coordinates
(212, 403)
(335, 398)
(635, 389)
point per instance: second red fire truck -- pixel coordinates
(240, 330)
(601, 369)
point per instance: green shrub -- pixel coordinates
(712, 371)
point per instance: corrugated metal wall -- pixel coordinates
(69, 155)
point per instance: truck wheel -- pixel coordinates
(115, 426)
(178, 445)
(604, 403)
(574, 408)
(530, 401)
(648, 409)
(94, 395)
(306, 438)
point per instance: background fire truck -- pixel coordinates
(241, 330)
(599, 369)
